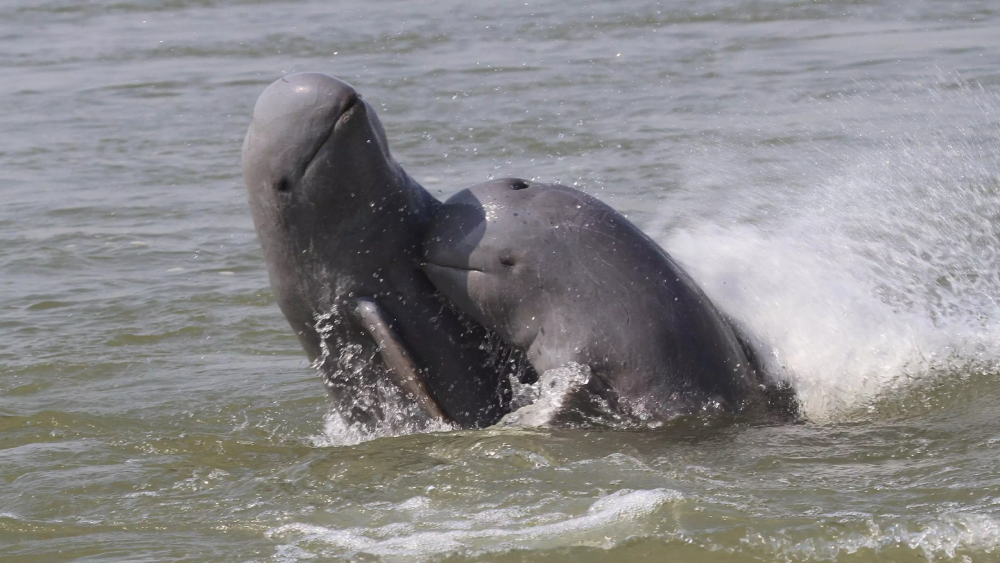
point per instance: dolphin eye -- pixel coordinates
(518, 185)
(506, 258)
(282, 185)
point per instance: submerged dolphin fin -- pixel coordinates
(402, 369)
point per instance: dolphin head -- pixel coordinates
(315, 153)
(325, 192)
(494, 250)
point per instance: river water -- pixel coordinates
(828, 171)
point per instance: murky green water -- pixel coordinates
(828, 171)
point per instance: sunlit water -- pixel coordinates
(829, 172)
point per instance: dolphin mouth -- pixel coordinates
(429, 264)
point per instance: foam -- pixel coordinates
(508, 529)
(944, 537)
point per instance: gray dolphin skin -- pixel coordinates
(341, 224)
(566, 278)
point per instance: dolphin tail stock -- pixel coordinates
(402, 368)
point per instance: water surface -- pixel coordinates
(828, 171)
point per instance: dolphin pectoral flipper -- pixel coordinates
(402, 369)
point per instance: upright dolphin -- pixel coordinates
(341, 225)
(569, 280)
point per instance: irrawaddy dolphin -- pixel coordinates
(341, 226)
(568, 280)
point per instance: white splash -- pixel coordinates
(367, 405)
(880, 269)
(337, 431)
(538, 403)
